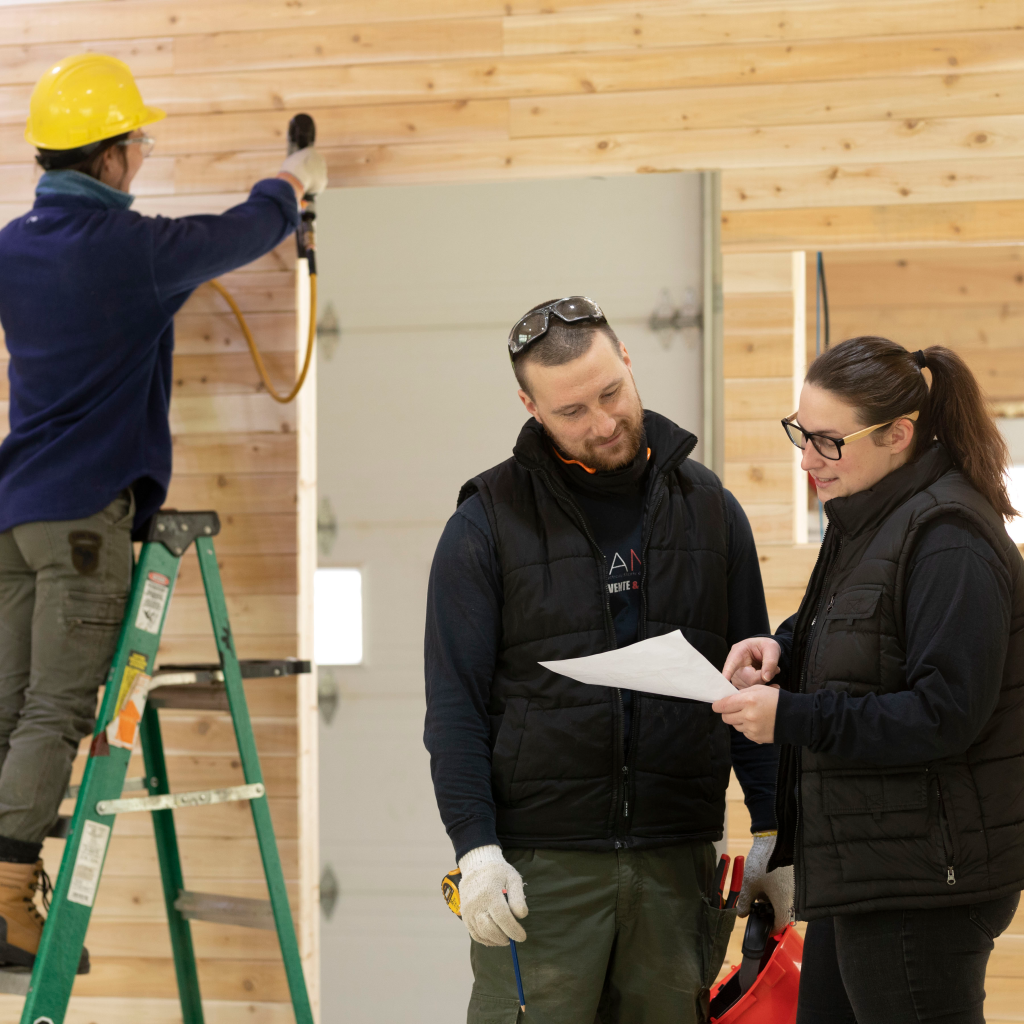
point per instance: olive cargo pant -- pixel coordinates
(63, 590)
(623, 937)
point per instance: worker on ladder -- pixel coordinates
(88, 292)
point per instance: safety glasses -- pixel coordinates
(536, 323)
(144, 142)
(832, 447)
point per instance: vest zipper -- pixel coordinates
(798, 898)
(813, 647)
(947, 836)
(610, 629)
(641, 633)
(609, 625)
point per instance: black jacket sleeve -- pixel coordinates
(755, 764)
(957, 632)
(784, 636)
(464, 600)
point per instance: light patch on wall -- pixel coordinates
(1015, 485)
(338, 617)
(1013, 431)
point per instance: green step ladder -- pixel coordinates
(134, 692)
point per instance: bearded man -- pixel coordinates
(597, 533)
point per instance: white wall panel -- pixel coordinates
(416, 398)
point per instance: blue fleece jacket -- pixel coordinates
(88, 290)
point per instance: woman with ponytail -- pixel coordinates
(898, 694)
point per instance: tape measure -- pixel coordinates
(450, 891)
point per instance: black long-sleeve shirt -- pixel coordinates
(957, 629)
(463, 631)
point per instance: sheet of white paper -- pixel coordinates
(666, 664)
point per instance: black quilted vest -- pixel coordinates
(865, 837)
(559, 774)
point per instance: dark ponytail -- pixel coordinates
(884, 381)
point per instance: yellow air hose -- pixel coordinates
(258, 359)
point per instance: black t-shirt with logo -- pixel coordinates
(617, 522)
(613, 505)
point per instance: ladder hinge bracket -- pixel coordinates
(176, 530)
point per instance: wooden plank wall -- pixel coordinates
(757, 293)
(846, 125)
(971, 300)
(759, 323)
(851, 123)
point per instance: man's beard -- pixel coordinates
(624, 453)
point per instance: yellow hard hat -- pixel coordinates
(84, 99)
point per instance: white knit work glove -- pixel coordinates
(488, 916)
(310, 168)
(776, 885)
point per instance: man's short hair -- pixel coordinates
(560, 344)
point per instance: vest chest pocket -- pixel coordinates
(854, 610)
(847, 641)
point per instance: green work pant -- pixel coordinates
(624, 937)
(63, 589)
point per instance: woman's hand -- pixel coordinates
(752, 661)
(751, 711)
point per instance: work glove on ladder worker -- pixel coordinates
(486, 879)
(309, 167)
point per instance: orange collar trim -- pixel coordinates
(576, 462)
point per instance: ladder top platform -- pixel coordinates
(273, 668)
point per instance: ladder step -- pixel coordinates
(252, 668)
(200, 697)
(201, 687)
(187, 676)
(15, 980)
(274, 669)
(168, 801)
(247, 913)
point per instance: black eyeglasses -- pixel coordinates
(832, 447)
(536, 323)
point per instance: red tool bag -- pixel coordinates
(764, 987)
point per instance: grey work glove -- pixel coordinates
(310, 168)
(488, 915)
(776, 885)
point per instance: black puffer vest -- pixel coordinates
(865, 837)
(559, 774)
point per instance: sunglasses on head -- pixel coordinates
(537, 322)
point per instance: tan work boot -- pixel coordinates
(21, 924)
